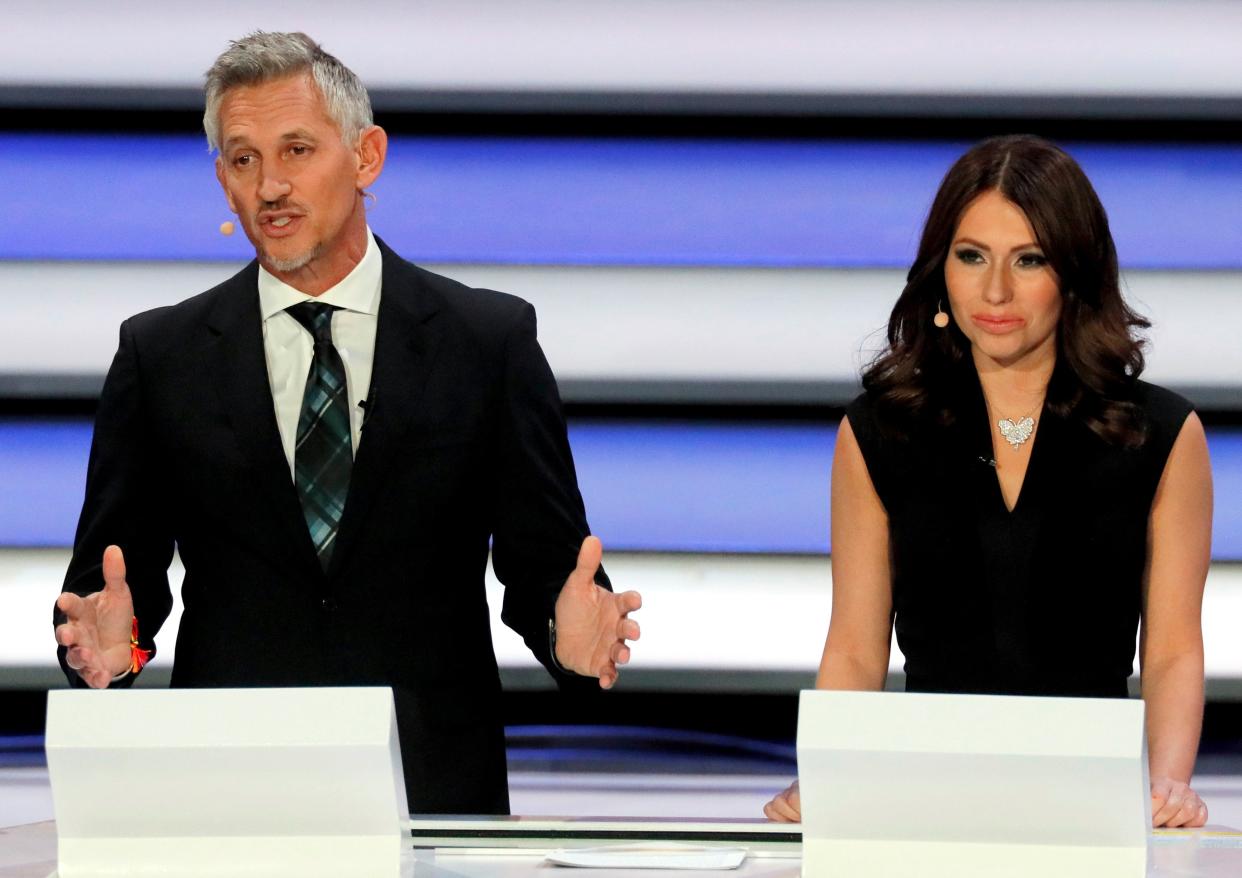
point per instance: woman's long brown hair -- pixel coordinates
(1099, 356)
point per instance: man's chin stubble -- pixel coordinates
(293, 263)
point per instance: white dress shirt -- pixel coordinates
(289, 347)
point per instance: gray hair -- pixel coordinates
(263, 56)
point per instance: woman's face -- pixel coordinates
(1003, 294)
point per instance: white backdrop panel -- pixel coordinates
(701, 614)
(1058, 47)
(629, 323)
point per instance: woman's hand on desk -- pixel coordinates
(785, 807)
(1174, 803)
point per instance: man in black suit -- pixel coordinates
(331, 438)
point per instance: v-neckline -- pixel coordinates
(1030, 463)
(984, 421)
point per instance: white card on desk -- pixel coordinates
(649, 856)
(283, 783)
(972, 786)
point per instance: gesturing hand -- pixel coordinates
(592, 623)
(1174, 803)
(97, 627)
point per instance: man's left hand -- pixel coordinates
(592, 623)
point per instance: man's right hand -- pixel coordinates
(97, 627)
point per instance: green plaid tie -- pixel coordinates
(324, 453)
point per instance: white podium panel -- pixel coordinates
(895, 784)
(196, 782)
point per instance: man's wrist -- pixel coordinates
(556, 663)
(138, 657)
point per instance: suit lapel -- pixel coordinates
(406, 344)
(246, 396)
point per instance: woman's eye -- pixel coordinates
(1032, 260)
(970, 257)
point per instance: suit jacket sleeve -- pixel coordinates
(541, 521)
(123, 505)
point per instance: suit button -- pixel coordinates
(328, 605)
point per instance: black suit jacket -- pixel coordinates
(464, 443)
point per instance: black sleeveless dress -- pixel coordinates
(1043, 600)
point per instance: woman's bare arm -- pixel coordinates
(860, 630)
(1171, 641)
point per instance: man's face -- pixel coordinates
(292, 181)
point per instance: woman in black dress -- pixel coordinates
(1007, 495)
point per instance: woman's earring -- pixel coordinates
(941, 319)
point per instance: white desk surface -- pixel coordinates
(30, 852)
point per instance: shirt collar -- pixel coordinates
(358, 291)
